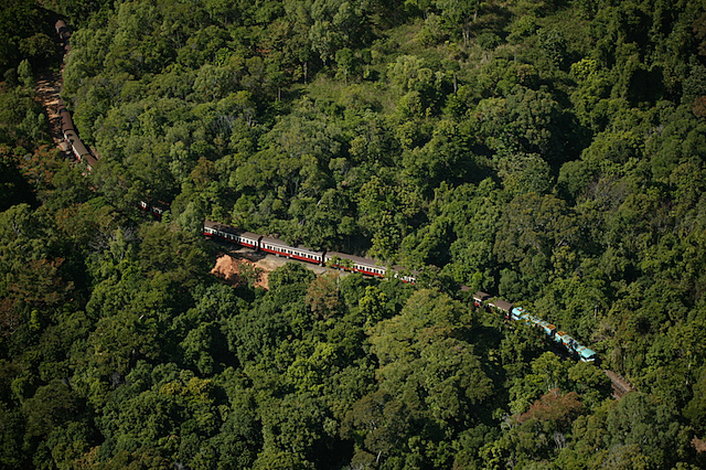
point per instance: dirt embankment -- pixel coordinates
(236, 265)
(236, 271)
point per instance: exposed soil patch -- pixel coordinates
(47, 90)
(236, 271)
(234, 261)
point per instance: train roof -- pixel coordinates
(89, 159)
(282, 243)
(275, 241)
(356, 259)
(67, 123)
(502, 304)
(229, 229)
(480, 295)
(398, 268)
(585, 352)
(77, 144)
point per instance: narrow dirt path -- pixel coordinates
(620, 385)
(47, 93)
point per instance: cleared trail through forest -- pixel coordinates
(47, 93)
(620, 385)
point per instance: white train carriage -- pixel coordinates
(225, 232)
(359, 264)
(279, 247)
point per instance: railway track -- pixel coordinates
(47, 93)
(620, 385)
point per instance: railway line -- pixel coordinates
(47, 93)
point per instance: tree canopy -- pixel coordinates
(550, 151)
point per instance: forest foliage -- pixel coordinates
(553, 152)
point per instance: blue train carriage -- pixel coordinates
(548, 328)
(559, 336)
(519, 313)
(563, 338)
(585, 354)
(572, 346)
(567, 341)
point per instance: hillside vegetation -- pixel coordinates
(552, 152)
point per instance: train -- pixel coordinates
(333, 259)
(63, 32)
(157, 209)
(510, 312)
(370, 267)
(68, 130)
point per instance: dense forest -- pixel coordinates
(550, 151)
